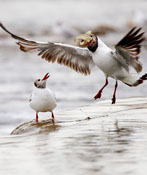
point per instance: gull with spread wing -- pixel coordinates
(91, 51)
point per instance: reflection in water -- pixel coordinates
(94, 148)
(82, 141)
(97, 145)
(87, 142)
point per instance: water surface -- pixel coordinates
(96, 139)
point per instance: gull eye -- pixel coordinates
(38, 79)
(82, 42)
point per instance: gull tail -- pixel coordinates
(140, 80)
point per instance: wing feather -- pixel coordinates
(78, 59)
(128, 48)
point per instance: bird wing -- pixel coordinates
(78, 59)
(127, 50)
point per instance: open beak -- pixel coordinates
(87, 39)
(46, 76)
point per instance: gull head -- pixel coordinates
(88, 40)
(41, 83)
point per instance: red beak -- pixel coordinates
(46, 76)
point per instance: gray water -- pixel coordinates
(113, 140)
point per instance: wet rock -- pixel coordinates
(130, 108)
(32, 127)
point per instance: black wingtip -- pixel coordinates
(5, 29)
(132, 37)
(2, 26)
(134, 31)
(13, 35)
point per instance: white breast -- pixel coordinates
(104, 59)
(43, 100)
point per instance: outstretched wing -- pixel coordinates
(78, 59)
(127, 50)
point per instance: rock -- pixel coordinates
(32, 127)
(132, 108)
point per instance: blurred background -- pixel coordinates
(114, 141)
(60, 21)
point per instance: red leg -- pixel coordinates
(98, 95)
(114, 94)
(37, 117)
(53, 118)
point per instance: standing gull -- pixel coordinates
(91, 51)
(42, 98)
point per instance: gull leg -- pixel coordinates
(114, 94)
(98, 95)
(53, 118)
(37, 117)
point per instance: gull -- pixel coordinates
(120, 63)
(42, 99)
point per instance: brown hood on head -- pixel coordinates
(88, 40)
(82, 40)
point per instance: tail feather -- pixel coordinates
(140, 80)
(144, 77)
